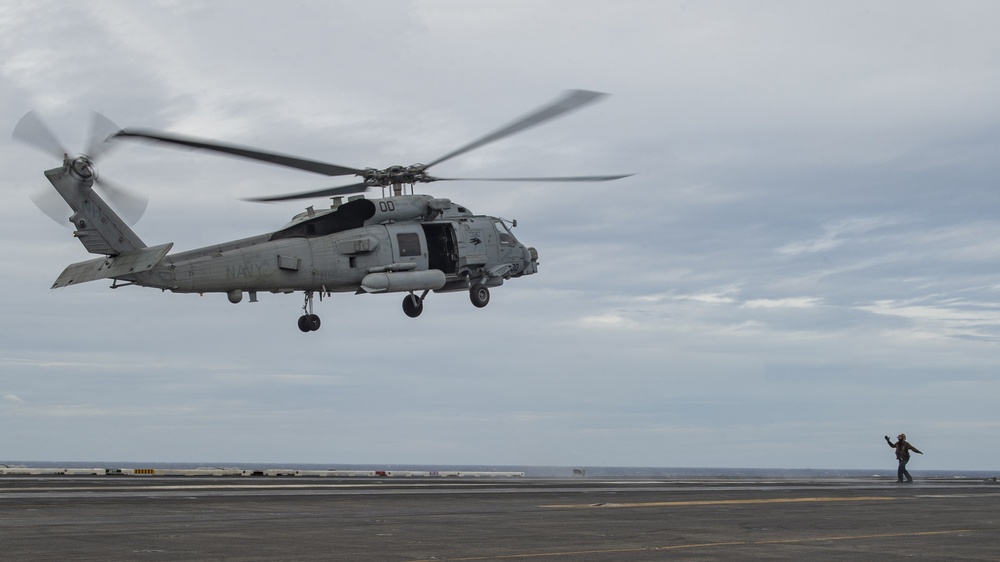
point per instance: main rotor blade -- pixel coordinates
(101, 130)
(573, 99)
(563, 178)
(129, 204)
(243, 152)
(327, 192)
(30, 130)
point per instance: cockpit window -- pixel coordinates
(505, 236)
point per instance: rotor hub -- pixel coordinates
(83, 168)
(396, 175)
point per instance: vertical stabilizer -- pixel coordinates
(99, 228)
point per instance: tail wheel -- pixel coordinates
(480, 296)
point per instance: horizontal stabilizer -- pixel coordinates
(124, 264)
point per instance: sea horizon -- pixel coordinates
(532, 471)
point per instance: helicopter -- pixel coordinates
(402, 243)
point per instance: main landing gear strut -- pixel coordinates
(308, 322)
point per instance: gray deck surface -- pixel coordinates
(300, 518)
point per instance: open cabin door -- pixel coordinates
(442, 251)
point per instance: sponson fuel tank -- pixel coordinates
(399, 281)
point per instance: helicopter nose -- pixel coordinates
(530, 261)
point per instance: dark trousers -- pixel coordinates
(901, 472)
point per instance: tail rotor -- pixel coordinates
(32, 131)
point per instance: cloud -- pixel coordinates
(790, 302)
(814, 214)
(944, 317)
(856, 230)
(608, 321)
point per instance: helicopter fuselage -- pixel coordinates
(412, 244)
(396, 244)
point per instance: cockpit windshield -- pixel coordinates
(504, 234)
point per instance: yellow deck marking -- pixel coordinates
(718, 502)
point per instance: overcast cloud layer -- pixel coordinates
(805, 261)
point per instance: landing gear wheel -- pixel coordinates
(413, 305)
(309, 322)
(480, 296)
(312, 321)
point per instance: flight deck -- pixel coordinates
(53, 517)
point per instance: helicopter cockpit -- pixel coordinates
(503, 233)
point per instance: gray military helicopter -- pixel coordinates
(402, 243)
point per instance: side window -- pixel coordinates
(409, 244)
(505, 236)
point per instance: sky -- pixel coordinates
(805, 260)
